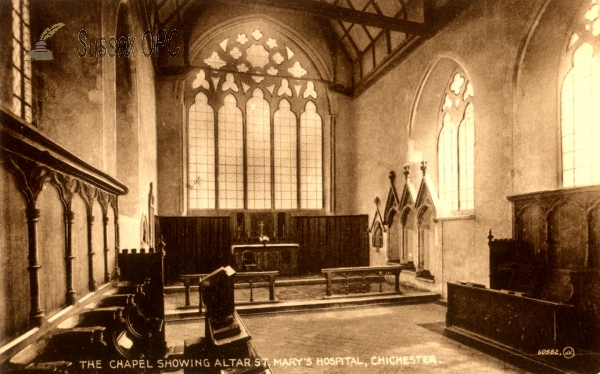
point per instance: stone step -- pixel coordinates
(339, 301)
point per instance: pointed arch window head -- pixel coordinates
(231, 155)
(202, 154)
(258, 122)
(285, 148)
(456, 143)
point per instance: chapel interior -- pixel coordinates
(444, 148)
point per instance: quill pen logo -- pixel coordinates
(40, 53)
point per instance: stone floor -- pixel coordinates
(375, 339)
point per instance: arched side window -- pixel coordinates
(311, 158)
(231, 155)
(456, 143)
(285, 147)
(580, 94)
(202, 154)
(258, 123)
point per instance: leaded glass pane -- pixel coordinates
(580, 119)
(285, 157)
(202, 154)
(466, 139)
(231, 155)
(311, 165)
(258, 122)
(447, 163)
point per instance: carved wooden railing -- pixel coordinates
(36, 161)
(251, 278)
(362, 274)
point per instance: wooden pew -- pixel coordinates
(544, 291)
(57, 352)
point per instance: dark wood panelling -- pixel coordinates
(567, 237)
(43, 237)
(594, 237)
(98, 245)
(530, 227)
(519, 322)
(331, 241)
(110, 242)
(51, 250)
(194, 244)
(79, 244)
(554, 257)
(14, 287)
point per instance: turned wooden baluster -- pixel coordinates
(31, 178)
(67, 188)
(89, 193)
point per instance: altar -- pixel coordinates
(266, 257)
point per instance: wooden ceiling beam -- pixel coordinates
(325, 10)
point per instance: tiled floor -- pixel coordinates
(356, 340)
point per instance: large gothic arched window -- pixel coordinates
(264, 148)
(580, 95)
(456, 142)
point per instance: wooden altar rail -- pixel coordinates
(363, 273)
(247, 277)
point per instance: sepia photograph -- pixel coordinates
(299, 186)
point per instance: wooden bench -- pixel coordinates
(190, 280)
(363, 273)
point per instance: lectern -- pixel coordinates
(225, 336)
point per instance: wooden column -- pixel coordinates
(333, 112)
(89, 193)
(36, 315)
(114, 203)
(67, 188)
(31, 177)
(104, 200)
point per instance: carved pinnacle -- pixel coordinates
(392, 176)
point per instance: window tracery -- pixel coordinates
(456, 142)
(269, 130)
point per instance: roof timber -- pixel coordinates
(325, 10)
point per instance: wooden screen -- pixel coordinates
(194, 245)
(331, 241)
